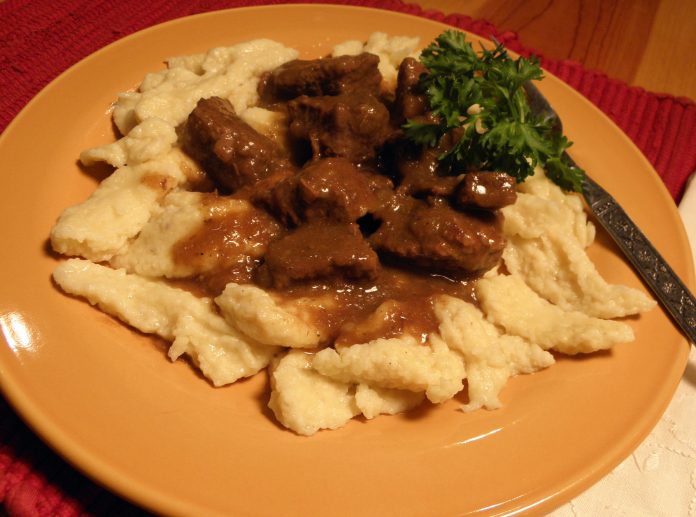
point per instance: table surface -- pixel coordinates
(647, 43)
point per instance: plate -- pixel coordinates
(109, 400)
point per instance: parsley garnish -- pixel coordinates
(503, 135)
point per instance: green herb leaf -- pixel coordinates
(513, 140)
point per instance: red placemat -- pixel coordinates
(40, 38)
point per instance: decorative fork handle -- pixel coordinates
(659, 276)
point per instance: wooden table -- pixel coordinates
(647, 43)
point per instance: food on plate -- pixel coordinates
(374, 227)
(191, 323)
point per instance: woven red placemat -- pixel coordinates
(40, 38)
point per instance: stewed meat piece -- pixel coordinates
(330, 188)
(352, 125)
(258, 193)
(327, 76)
(409, 101)
(488, 190)
(422, 173)
(322, 250)
(434, 236)
(231, 152)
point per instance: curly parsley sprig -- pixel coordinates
(501, 133)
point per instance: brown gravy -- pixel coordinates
(157, 182)
(397, 301)
(231, 246)
(220, 248)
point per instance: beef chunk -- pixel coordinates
(327, 76)
(422, 173)
(258, 193)
(319, 251)
(488, 190)
(231, 152)
(409, 101)
(330, 188)
(281, 200)
(421, 170)
(351, 125)
(334, 188)
(437, 237)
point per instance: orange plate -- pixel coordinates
(108, 399)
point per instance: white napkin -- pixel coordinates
(659, 478)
